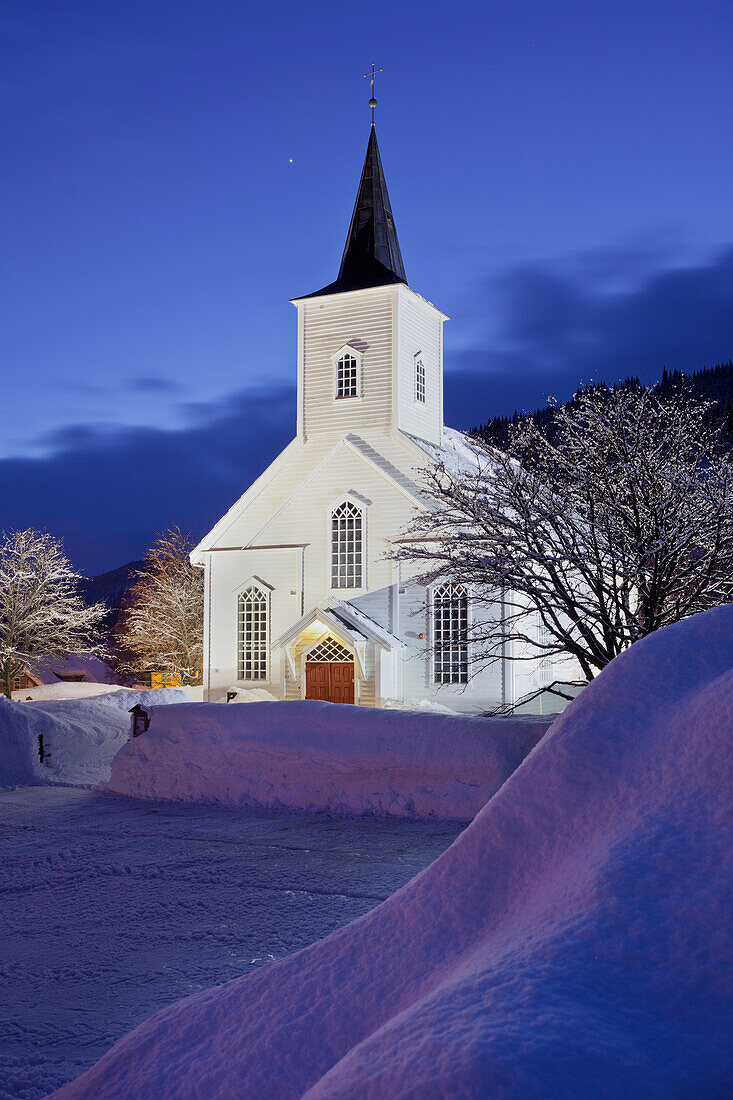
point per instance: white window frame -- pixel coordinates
(545, 669)
(347, 349)
(434, 677)
(265, 590)
(420, 379)
(359, 506)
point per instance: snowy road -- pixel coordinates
(113, 908)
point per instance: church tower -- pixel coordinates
(370, 350)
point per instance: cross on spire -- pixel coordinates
(372, 74)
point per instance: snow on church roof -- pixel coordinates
(458, 454)
(360, 618)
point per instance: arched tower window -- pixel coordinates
(347, 375)
(420, 381)
(253, 634)
(347, 546)
(450, 634)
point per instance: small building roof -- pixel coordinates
(76, 666)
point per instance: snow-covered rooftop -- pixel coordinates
(458, 454)
(355, 616)
(89, 669)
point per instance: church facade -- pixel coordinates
(302, 596)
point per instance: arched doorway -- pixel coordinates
(329, 672)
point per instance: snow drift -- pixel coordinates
(237, 694)
(319, 756)
(574, 941)
(80, 736)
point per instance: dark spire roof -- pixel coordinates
(372, 254)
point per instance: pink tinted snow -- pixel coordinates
(574, 941)
(318, 756)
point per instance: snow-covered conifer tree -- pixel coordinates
(41, 611)
(162, 626)
(622, 525)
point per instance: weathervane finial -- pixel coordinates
(372, 101)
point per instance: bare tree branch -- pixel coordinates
(621, 526)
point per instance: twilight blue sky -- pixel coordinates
(560, 175)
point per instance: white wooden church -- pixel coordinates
(302, 598)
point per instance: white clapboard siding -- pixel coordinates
(394, 460)
(388, 327)
(420, 337)
(309, 513)
(276, 571)
(377, 604)
(364, 322)
(254, 511)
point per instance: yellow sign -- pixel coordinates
(164, 680)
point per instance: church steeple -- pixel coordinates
(372, 254)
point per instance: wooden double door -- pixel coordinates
(330, 680)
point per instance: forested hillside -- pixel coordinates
(714, 384)
(111, 588)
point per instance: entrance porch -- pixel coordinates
(338, 654)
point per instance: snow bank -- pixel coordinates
(418, 704)
(80, 736)
(574, 941)
(247, 695)
(318, 756)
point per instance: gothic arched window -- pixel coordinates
(347, 546)
(450, 634)
(347, 375)
(420, 381)
(252, 634)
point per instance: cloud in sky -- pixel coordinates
(603, 315)
(108, 489)
(108, 492)
(151, 384)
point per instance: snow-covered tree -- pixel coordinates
(41, 611)
(162, 626)
(622, 525)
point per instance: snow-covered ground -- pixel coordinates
(112, 909)
(81, 733)
(574, 941)
(312, 756)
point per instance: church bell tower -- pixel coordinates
(370, 350)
